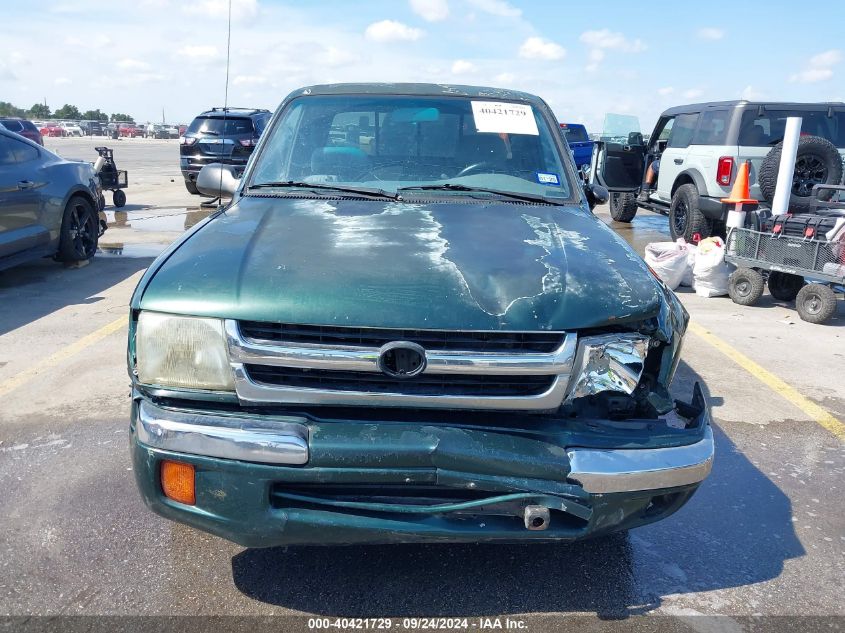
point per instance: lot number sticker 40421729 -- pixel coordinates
(504, 118)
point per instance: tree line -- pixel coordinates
(67, 111)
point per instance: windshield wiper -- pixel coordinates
(211, 132)
(448, 186)
(364, 191)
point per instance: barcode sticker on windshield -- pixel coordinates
(504, 118)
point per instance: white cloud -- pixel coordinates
(198, 52)
(62, 81)
(249, 80)
(819, 68)
(431, 10)
(462, 67)
(497, 7)
(710, 33)
(693, 93)
(605, 38)
(749, 93)
(132, 64)
(392, 31)
(538, 48)
(334, 57)
(242, 10)
(665, 91)
(505, 78)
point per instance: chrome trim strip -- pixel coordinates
(365, 359)
(243, 439)
(633, 470)
(250, 392)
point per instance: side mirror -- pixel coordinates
(596, 195)
(217, 180)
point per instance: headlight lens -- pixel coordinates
(611, 362)
(177, 351)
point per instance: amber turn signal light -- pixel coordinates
(177, 482)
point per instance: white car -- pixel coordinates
(701, 147)
(72, 129)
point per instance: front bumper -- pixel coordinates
(267, 481)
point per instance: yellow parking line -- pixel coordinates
(10, 384)
(816, 413)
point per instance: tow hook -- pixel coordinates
(536, 517)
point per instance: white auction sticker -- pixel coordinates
(504, 118)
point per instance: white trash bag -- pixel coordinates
(710, 271)
(670, 261)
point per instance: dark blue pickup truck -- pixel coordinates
(580, 144)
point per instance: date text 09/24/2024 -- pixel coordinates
(418, 624)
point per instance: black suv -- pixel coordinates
(220, 135)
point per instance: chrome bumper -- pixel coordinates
(632, 470)
(284, 441)
(243, 439)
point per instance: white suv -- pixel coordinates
(700, 148)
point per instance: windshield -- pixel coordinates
(389, 142)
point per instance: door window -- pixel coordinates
(682, 130)
(20, 151)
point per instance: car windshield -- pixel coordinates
(219, 126)
(392, 142)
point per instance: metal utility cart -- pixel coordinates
(112, 178)
(806, 269)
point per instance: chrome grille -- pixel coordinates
(376, 337)
(328, 365)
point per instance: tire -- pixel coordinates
(685, 218)
(623, 206)
(191, 186)
(745, 286)
(815, 303)
(784, 286)
(816, 162)
(80, 231)
(119, 198)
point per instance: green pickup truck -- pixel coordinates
(407, 325)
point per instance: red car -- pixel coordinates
(53, 130)
(130, 129)
(23, 127)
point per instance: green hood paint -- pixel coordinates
(450, 264)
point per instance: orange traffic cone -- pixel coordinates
(741, 192)
(740, 195)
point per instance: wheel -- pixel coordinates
(817, 161)
(745, 286)
(80, 231)
(685, 218)
(191, 186)
(119, 198)
(784, 286)
(816, 303)
(623, 206)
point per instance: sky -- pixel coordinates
(584, 58)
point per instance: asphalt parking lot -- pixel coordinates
(764, 535)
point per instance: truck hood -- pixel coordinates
(453, 264)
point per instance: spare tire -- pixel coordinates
(817, 162)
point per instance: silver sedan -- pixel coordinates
(49, 206)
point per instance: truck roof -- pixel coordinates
(415, 89)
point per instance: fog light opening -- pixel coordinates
(178, 482)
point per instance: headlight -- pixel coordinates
(177, 351)
(611, 362)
